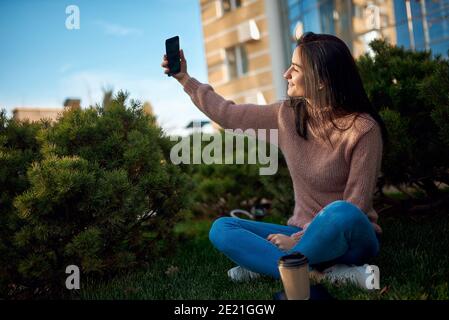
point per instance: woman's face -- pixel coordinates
(295, 76)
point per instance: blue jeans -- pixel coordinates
(340, 233)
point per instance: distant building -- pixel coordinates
(72, 103)
(36, 114)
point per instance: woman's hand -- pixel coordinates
(182, 76)
(282, 241)
(298, 235)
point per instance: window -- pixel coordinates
(229, 5)
(243, 59)
(236, 62)
(231, 59)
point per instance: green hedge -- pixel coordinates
(96, 189)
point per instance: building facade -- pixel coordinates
(36, 114)
(356, 22)
(241, 52)
(249, 43)
(423, 25)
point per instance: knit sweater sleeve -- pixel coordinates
(365, 165)
(230, 115)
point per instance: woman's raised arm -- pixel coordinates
(225, 112)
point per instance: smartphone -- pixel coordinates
(174, 59)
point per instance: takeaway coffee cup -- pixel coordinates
(294, 270)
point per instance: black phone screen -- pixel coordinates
(172, 51)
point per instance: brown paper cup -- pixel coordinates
(294, 270)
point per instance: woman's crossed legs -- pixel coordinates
(340, 233)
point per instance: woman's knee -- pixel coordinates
(352, 219)
(217, 232)
(345, 212)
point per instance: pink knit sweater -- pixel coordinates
(320, 174)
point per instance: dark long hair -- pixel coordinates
(332, 83)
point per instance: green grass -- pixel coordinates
(199, 272)
(413, 265)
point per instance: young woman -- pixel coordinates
(332, 139)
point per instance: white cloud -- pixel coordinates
(118, 30)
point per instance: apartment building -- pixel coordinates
(36, 114)
(245, 49)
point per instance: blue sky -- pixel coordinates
(119, 45)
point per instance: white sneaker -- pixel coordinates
(239, 274)
(366, 276)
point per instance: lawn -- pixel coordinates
(413, 264)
